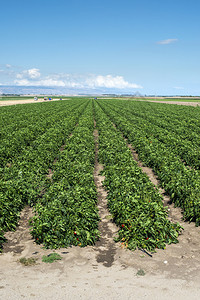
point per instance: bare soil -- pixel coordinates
(106, 248)
(177, 102)
(24, 101)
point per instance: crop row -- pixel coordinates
(14, 117)
(67, 214)
(178, 118)
(133, 200)
(176, 142)
(21, 133)
(180, 182)
(182, 120)
(24, 181)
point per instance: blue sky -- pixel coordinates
(152, 47)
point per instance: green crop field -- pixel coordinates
(166, 138)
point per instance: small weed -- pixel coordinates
(51, 257)
(109, 217)
(140, 272)
(28, 261)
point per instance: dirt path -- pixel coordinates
(154, 179)
(177, 102)
(24, 101)
(14, 102)
(106, 247)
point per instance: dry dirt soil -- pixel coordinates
(106, 270)
(178, 102)
(23, 101)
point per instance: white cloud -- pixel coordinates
(8, 66)
(110, 81)
(51, 82)
(31, 73)
(168, 41)
(73, 84)
(43, 82)
(33, 77)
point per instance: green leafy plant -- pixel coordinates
(29, 152)
(67, 214)
(140, 272)
(28, 261)
(167, 140)
(51, 257)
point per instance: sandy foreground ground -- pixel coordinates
(101, 271)
(106, 270)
